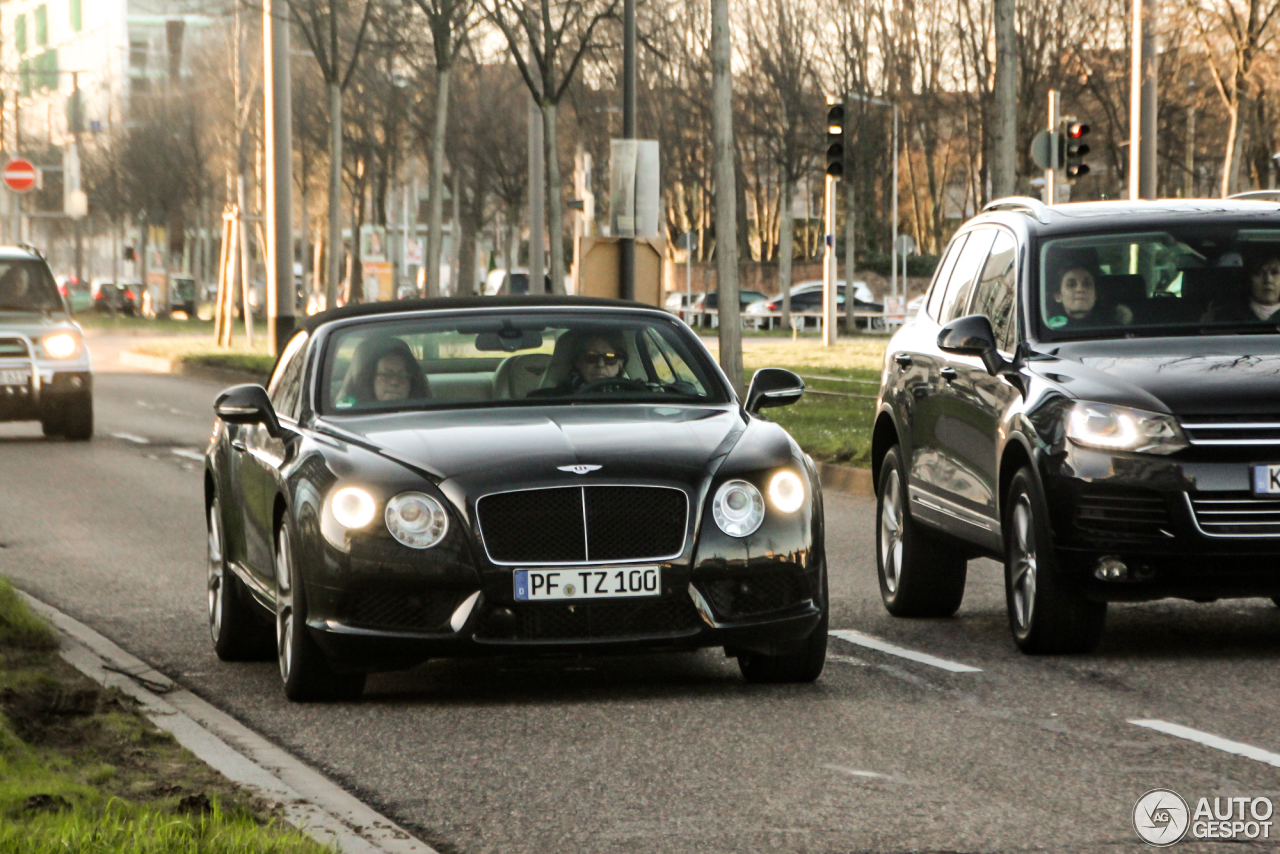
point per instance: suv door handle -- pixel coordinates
(903, 360)
(949, 373)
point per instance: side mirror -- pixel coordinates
(972, 336)
(773, 387)
(248, 404)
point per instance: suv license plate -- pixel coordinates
(610, 582)
(1266, 479)
(15, 377)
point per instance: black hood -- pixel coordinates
(525, 446)
(1209, 375)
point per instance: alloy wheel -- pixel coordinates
(284, 604)
(1022, 581)
(891, 512)
(215, 576)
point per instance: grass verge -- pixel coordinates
(81, 769)
(240, 356)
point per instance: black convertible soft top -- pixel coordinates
(395, 306)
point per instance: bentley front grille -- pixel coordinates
(583, 524)
(1236, 514)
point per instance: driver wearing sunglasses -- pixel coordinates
(598, 359)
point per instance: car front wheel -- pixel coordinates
(803, 664)
(306, 673)
(920, 574)
(1045, 615)
(238, 633)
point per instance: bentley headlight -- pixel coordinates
(786, 492)
(63, 345)
(352, 507)
(738, 508)
(1119, 428)
(416, 520)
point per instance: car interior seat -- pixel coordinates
(520, 374)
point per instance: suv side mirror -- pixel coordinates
(972, 336)
(248, 404)
(773, 387)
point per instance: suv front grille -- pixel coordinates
(1232, 429)
(13, 348)
(583, 524)
(755, 594)
(1236, 514)
(1122, 513)
(593, 620)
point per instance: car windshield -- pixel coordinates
(1190, 280)
(524, 358)
(27, 286)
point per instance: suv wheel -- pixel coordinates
(76, 422)
(1046, 615)
(920, 574)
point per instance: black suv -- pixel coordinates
(1091, 393)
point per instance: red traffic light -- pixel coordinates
(1076, 130)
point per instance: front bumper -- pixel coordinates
(1183, 526)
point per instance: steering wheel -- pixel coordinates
(612, 384)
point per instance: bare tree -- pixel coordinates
(556, 34)
(335, 35)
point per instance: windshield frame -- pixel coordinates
(1037, 329)
(719, 394)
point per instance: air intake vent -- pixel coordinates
(583, 524)
(1236, 514)
(1116, 513)
(398, 608)
(755, 594)
(606, 619)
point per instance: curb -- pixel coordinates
(306, 799)
(854, 481)
(165, 365)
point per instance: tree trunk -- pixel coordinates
(555, 197)
(726, 200)
(1004, 133)
(357, 258)
(435, 210)
(335, 195)
(850, 260)
(1235, 140)
(786, 246)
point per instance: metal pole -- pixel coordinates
(627, 258)
(1051, 174)
(1005, 136)
(829, 262)
(688, 273)
(278, 132)
(1135, 100)
(1190, 187)
(893, 247)
(76, 127)
(537, 205)
(1147, 149)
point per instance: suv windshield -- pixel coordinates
(27, 286)
(1186, 280)
(522, 358)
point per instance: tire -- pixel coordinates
(239, 632)
(1275, 600)
(76, 422)
(1046, 616)
(802, 665)
(51, 426)
(304, 669)
(920, 574)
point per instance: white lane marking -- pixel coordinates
(129, 437)
(853, 772)
(882, 646)
(187, 454)
(846, 659)
(1208, 740)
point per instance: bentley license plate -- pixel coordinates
(1266, 479)
(612, 582)
(15, 376)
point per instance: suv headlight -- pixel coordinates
(738, 508)
(416, 520)
(62, 345)
(1119, 428)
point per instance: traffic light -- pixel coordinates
(1074, 148)
(835, 141)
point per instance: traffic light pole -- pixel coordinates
(627, 260)
(278, 119)
(1050, 173)
(829, 263)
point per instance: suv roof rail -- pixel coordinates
(1257, 195)
(1023, 204)
(32, 249)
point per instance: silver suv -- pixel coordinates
(45, 370)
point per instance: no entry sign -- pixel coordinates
(19, 175)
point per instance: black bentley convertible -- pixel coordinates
(456, 477)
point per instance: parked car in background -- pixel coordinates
(498, 282)
(678, 301)
(182, 295)
(711, 301)
(807, 296)
(114, 297)
(76, 293)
